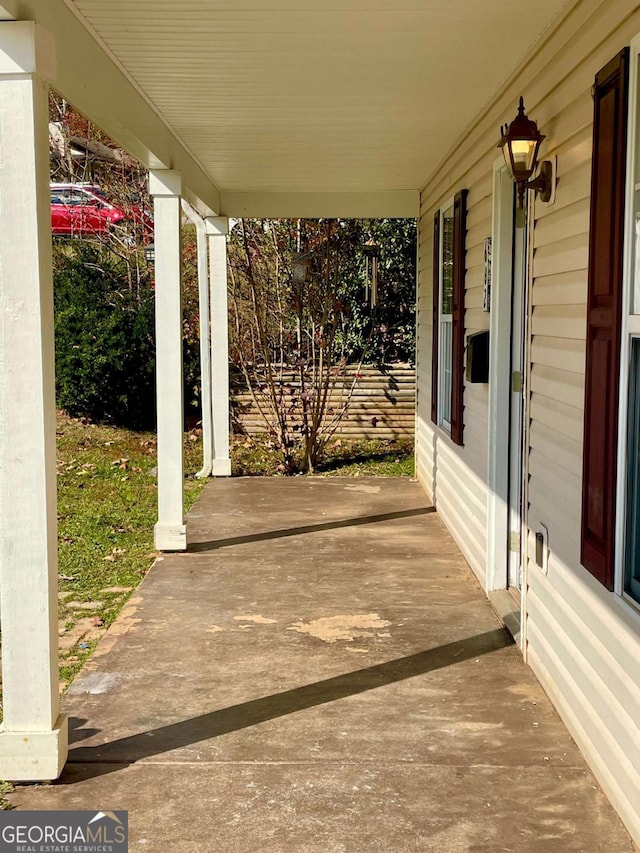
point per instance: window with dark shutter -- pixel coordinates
(436, 318)
(447, 358)
(604, 310)
(457, 335)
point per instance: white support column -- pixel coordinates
(170, 532)
(205, 340)
(217, 229)
(33, 739)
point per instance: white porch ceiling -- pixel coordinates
(298, 99)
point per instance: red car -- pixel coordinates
(80, 209)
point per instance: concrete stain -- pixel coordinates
(330, 629)
(256, 618)
(94, 683)
(368, 490)
(214, 629)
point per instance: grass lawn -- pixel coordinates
(257, 456)
(107, 498)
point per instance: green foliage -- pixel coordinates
(104, 321)
(386, 333)
(5, 789)
(105, 352)
(190, 326)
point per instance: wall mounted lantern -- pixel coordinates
(150, 253)
(520, 143)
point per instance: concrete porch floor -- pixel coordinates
(322, 673)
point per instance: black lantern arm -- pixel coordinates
(543, 184)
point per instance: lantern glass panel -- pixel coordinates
(523, 152)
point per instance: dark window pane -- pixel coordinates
(447, 260)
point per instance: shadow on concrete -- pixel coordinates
(214, 544)
(90, 762)
(78, 731)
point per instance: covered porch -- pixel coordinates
(320, 671)
(273, 112)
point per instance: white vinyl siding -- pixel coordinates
(582, 641)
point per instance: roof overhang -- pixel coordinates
(289, 107)
(92, 81)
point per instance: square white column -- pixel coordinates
(205, 338)
(33, 738)
(217, 230)
(170, 532)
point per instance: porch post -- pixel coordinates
(205, 339)
(217, 229)
(170, 532)
(33, 739)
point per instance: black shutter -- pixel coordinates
(604, 311)
(457, 316)
(436, 318)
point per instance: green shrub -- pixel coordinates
(104, 324)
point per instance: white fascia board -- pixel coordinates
(92, 81)
(393, 204)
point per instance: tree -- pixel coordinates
(104, 285)
(105, 352)
(386, 334)
(299, 315)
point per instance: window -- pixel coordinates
(445, 318)
(611, 465)
(629, 458)
(447, 377)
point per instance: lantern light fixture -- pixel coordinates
(520, 143)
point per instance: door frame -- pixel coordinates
(517, 401)
(499, 379)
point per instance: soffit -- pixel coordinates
(302, 96)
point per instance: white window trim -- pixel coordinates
(442, 422)
(630, 326)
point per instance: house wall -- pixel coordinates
(455, 477)
(582, 641)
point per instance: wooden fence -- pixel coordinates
(382, 404)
